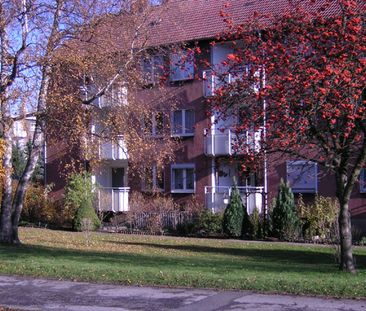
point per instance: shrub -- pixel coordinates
(79, 188)
(247, 229)
(37, 207)
(193, 206)
(86, 213)
(234, 215)
(140, 203)
(154, 224)
(63, 214)
(285, 222)
(256, 222)
(319, 218)
(208, 223)
(79, 197)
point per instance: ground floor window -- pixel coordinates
(302, 176)
(153, 179)
(183, 178)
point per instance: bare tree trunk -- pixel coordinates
(344, 220)
(34, 153)
(37, 137)
(344, 186)
(6, 203)
(24, 181)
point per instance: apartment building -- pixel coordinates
(23, 131)
(206, 164)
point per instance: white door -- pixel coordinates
(225, 175)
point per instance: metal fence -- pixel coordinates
(163, 219)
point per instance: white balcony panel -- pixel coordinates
(113, 199)
(212, 81)
(226, 142)
(217, 144)
(115, 150)
(216, 197)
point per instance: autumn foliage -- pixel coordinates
(299, 78)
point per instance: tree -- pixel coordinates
(80, 196)
(54, 65)
(300, 79)
(233, 215)
(285, 222)
(19, 160)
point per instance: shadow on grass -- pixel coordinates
(229, 260)
(284, 256)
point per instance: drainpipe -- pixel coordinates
(213, 183)
(265, 161)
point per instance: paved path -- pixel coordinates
(39, 294)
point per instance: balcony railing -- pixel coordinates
(113, 199)
(212, 81)
(227, 142)
(217, 198)
(113, 150)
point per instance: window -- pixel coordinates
(152, 69)
(302, 176)
(154, 125)
(363, 181)
(155, 2)
(183, 178)
(153, 179)
(183, 122)
(182, 66)
(116, 95)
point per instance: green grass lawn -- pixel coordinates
(170, 261)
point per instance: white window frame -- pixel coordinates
(183, 167)
(303, 163)
(154, 130)
(154, 176)
(154, 125)
(189, 55)
(155, 2)
(183, 132)
(362, 181)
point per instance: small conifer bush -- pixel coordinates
(86, 212)
(285, 222)
(233, 215)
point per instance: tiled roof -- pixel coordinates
(187, 20)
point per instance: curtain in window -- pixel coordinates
(190, 178)
(189, 121)
(177, 122)
(178, 179)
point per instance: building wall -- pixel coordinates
(326, 187)
(189, 95)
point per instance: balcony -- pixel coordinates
(227, 142)
(217, 198)
(113, 199)
(212, 82)
(113, 150)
